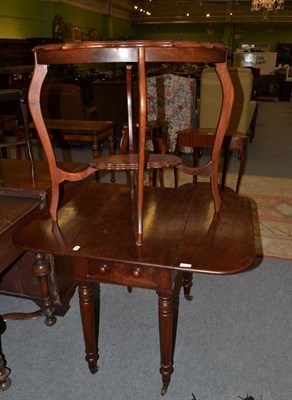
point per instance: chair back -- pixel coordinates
(110, 98)
(211, 99)
(62, 101)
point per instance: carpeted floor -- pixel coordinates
(233, 340)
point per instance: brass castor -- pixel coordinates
(188, 296)
(164, 389)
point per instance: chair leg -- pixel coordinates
(3, 151)
(111, 142)
(242, 156)
(226, 161)
(159, 141)
(175, 172)
(196, 156)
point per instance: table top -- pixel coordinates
(21, 178)
(10, 95)
(12, 209)
(77, 125)
(181, 230)
(130, 51)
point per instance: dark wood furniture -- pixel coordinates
(142, 237)
(13, 212)
(93, 132)
(139, 52)
(182, 232)
(200, 138)
(11, 123)
(24, 190)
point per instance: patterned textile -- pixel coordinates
(171, 98)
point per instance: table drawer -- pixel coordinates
(121, 274)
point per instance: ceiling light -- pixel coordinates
(268, 5)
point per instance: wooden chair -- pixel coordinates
(200, 138)
(209, 106)
(69, 120)
(12, 122)
(65, 101)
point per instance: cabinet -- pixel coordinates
(23, 193)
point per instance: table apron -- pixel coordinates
(133, 275)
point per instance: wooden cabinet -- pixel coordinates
(22, 196)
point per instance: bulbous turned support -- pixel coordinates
(41, 269)
(165, 304)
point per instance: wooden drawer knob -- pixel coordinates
(136, 273)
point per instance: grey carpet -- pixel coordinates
(233, 339)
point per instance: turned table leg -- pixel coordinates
(187, 283)
(88, 324)
(165, 313)
(41, 269)
(5, 382)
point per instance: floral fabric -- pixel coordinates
(171, 98)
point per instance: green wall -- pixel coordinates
(230, 34)
(21, 19)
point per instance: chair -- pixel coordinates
(110, 99)
(209, 106)
(62, 104)
(12, 122)
(64, 101)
